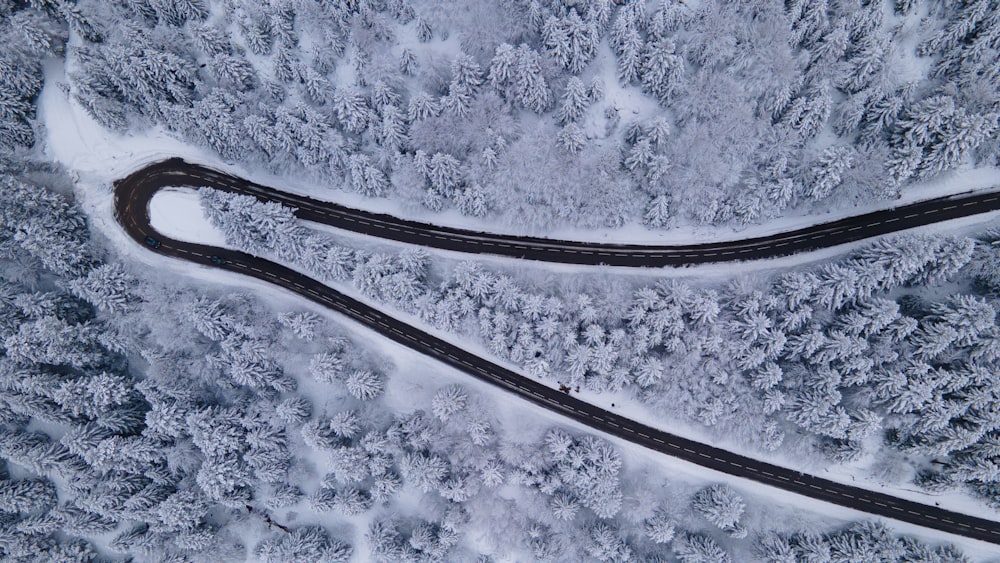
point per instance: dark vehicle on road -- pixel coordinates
(216, 260)
(152, 242)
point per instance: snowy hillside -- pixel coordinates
(157, 410)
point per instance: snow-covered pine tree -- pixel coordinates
(449, 401)
(630, 57)
(364, 384)
(426, 472)
(574, 101)
(719, 504)
(407, 62)
(422, 106)
(697, 548)
(473, 201)
(352, 109)
(572, 138)
(107, 286)
(256, 33)
(827, 173)
(607, 544)
(571, 41)
(444, 172)
(232, 70)
(302, 324)
(26, 496)
(662, 70)
(307, 543)
(660, 527)
(564, 507)
(516, 74)
(318, 89)
(807, 114)
(658, 213)
(294, 410)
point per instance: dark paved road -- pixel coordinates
(132, 196)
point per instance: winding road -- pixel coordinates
(133, 194)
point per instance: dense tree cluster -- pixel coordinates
(797, 351)
(29, 34)
(93, 444)
(809, 102)
(836, 351)
(164, 420)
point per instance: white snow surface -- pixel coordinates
(96, 156)
(177, 214)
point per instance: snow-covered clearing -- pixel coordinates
(177, 214)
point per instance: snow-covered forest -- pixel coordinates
(150, 416)
(534, 113)
(862, 354)
(174, 423)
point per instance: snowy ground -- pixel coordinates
(97, 157)
(177, 214)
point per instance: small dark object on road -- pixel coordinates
(216, 260)
(152, 242)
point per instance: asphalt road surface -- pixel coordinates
(132, 196)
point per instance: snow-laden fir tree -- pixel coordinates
(570, 41)
(660, 527)
(422, 106)
(426, 472)
(574, 101)
(26, 496)
(364, 384)
(606, 544)
(305, 544)
(662, 70)
(294, 410)
(408, 62)
(108, 287)
(697, 548)
(630, 56)
(352, 109)
(721, 505)
(572, 138)
(302, 325)
(827, 173)
(449, 401)
(516, 73)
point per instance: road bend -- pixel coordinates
(133, 194)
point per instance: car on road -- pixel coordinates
(152, 242)
(217, 260)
